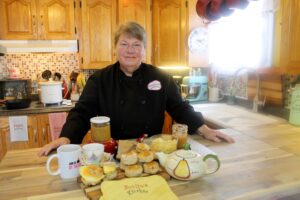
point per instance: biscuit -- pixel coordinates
(129, 158)
(151, 167)
(133, 170)
(110, 170)
(91, 174)
(142, 147)
(146, 156)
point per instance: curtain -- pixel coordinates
(244, 39)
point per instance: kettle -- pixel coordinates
(188, 164)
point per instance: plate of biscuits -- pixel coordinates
(133, 159)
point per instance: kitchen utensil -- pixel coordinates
(57, 76)
(92, 153)
(215, 94)
(68, 161)
(190, 91)
(80, 81)
(46, 75)
(194, 88)
(187, 164)
(15, 88)
(17, 103)
(73, 76)
(51, 92)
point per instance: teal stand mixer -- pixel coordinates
(194, 88)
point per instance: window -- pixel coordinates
(243, 39)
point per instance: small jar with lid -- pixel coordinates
(100, 128)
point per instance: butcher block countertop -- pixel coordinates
(264, 163)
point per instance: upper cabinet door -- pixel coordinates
(37, 20)
(139, 11)
(169, 32)
(98, 26)
(290, 39)
(56, 19)
(18, 19)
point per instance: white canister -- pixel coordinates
(51, 92)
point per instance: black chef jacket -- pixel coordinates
(135, 105)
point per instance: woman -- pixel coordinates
(133, 94)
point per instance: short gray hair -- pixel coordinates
(132, 29)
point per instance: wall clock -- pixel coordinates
(198, 40)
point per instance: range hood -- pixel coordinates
(38, 46)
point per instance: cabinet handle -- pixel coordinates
(33, 20)
(34, 25)
(35, 136)
(42, 33)
(44, 133)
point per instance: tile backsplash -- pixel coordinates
(289, 81)
(31, 64)
(233, 85)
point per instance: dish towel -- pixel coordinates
(56, 122)
(141, 188)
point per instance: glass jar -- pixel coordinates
(100, 128)
(180, 131)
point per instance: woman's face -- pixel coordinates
(130, 53)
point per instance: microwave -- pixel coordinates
(15, 89)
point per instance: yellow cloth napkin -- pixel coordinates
(142, 188)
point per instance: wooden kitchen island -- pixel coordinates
(264, 163)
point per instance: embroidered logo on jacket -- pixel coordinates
(154, 85)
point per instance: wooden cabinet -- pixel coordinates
(139, 11)
(290, 35)
(37, 19)
(169, 32)
(99, 20)
(98, 26)
(164, 21)
(21, 24)
(38, 132)
(43, 128)
(2, 145)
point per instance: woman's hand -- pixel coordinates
(213, 134)
(53, 145)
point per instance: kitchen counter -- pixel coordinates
(37, 108)
(262, 164)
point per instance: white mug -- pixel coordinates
(92, 153)
(214, 94)
(68, 161)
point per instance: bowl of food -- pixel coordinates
(162, 143)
